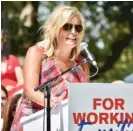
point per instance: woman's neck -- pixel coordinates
(62, 55)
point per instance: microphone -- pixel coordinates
(84, 46)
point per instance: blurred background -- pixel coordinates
(109, 32)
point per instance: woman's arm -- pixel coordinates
(19, 76)
(87, 72)
(31, 74)
(31, 78)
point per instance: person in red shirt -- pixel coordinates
(11, 71)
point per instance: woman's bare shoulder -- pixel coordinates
(34, 50)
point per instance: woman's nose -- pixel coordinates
(73, 30)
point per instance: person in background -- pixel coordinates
(58, 51)
(10, 109)
(118, 81)
(4, 99)
(11, 71)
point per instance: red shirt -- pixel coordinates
(9, 77)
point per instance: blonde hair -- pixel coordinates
(60, 16)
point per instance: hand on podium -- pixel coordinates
(55, 100)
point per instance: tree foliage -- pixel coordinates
(109, 31)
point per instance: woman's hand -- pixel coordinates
(56, 100)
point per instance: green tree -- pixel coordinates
(109, 31)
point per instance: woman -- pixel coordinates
(11, 108)
(63, 33)
(11, 71)
(4, 99)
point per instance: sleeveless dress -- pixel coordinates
(48, 71)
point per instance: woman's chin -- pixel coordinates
(71, 43)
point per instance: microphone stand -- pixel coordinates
(48, 89)
(47, 84)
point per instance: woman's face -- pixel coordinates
(3, 101)
(69, 33)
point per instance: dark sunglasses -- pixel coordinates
(68, 27)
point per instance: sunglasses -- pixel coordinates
(69, 27)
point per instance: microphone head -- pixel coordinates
(83, 45)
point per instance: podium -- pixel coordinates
(90, 107)
(59, 119)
